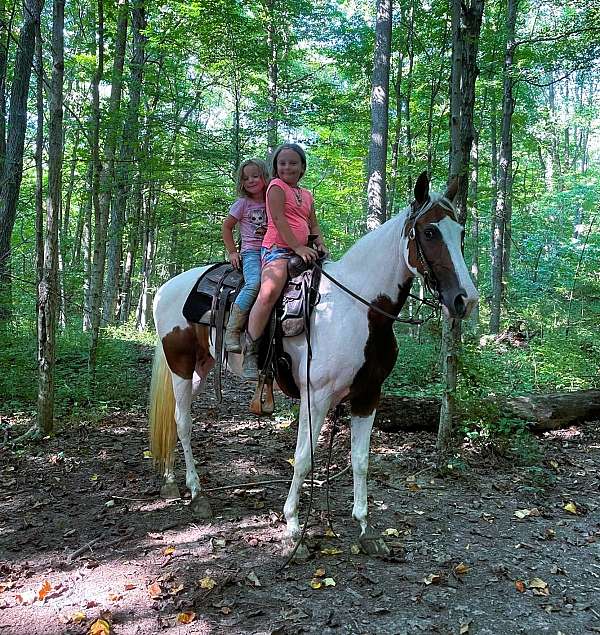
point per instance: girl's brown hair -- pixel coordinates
(262, 168)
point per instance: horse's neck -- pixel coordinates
(375, 264)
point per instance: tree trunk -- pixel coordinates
(13, 165)
(272, 77)
(504, 172)
(134, 234)
(397, 133)
(4, 47)
(409, 86)
(39, 168)
(465, 44)
(380, 96)
(49, 284)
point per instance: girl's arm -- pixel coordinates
(227, 232)
(316, 230)
(276, 199)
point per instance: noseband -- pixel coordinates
(429, 279)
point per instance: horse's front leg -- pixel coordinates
(369, 540)
(319, 407)
(183, 400)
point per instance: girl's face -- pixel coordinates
(252, 180)
(289, 166)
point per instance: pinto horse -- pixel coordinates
(353, 346)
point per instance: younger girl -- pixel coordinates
(291, 218)
(249, 212)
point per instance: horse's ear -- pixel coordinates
(452, 188)
(422, 188)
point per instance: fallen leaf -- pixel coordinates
(252, 577)
(390, 532)
(44, 589)
(413, 487)
(78, 617)
(186, 618)
(168, 550)
(539, 586)
(319, 573)
(461, 568)
(129, 586)
(329, 533)
(219, 542)
(176, 589)
(207, 583)
(100, 627)
(571, 508)
(520, 586)
(94, 478)
(464, 628)
(147, 454)
(225, 610)
(110, 503)
(315, 583)
(115, 597)
(328, 581)
(291, 461)
(5, 586)
(27, 597)
(355, 549)
(522, 513)
(331, 551)
(154, 590)
(432, 578)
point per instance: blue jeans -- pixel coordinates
(251, 271)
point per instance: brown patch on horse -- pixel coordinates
(187, 350)
(381, 351)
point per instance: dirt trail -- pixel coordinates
(499, 548)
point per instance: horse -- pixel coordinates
(353, 347)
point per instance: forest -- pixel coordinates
(122, 126)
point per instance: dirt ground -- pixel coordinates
(498, 547)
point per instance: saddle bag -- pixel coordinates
(300, 296)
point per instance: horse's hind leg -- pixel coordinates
(369, 540)
(319, 407)
(183, 399)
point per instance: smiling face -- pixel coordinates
(253, 181)
(289, 166)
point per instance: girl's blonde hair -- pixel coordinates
(262, 168)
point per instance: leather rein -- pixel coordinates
(428, 277)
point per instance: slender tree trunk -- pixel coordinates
(39, 168)
(4, 46)
(272, 76)
(12, 172)
(465, 45)
(409, 87)
(475, 224)
(504, 172)
(87, 252)
(397, 134)
(49, 284)
(380, 96)
(134, 237)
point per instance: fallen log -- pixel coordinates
(542, 412)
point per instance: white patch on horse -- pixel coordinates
(452, 234)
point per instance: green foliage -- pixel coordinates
(121, 378)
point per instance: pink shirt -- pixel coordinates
(297, 214)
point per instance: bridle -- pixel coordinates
(429, 280)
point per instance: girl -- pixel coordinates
(291, 218)
(249, 212)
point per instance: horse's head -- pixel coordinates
(433, 248)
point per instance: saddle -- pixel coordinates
(217, 288)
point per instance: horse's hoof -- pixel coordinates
(301, 554)
(373, 545)
(169, 491)
(201, 508)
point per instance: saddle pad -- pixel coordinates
(200, 299)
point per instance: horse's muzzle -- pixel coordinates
(459, 304)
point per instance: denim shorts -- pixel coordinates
(273, 253)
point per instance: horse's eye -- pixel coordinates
(428, 233)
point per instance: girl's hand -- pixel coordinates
(234, 259)
(306, 253)
(321, 249)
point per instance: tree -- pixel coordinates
(380, 92)
(48, 294)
